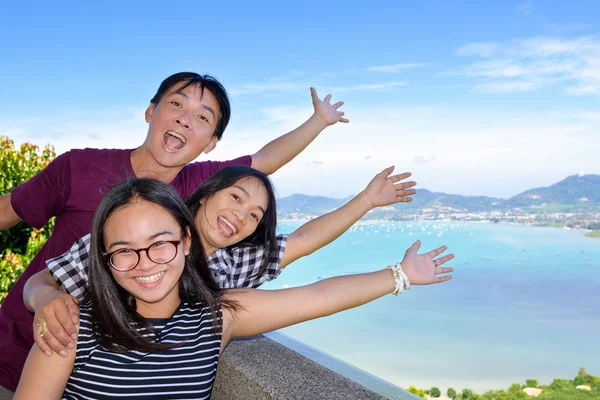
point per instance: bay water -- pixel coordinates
(524, 303)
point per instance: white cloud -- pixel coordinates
(581, 89)
(423, 159)
(394, 68)
(276, 86)
(477, 151)
(560, 28)
(534, 63)
(372, 87)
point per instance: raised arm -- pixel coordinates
(262, 311)
(383, 190)
(8, 216)
(282, 150)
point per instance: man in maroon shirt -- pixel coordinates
(186, 117)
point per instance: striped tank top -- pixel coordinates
(185, 372)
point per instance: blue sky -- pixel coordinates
(473, 98)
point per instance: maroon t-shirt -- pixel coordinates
(70, 188)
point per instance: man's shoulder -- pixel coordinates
(91, 154)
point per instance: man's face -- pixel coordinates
(182, 125)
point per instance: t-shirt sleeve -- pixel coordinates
(248, 260)
(70, 269)
(86, 342)
(45, 194)
(196, 173)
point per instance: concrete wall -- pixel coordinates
(261, 368)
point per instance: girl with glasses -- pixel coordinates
(155, 328)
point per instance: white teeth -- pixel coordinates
(178, 136)
(229, 224)
(151, 278)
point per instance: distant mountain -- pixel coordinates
(576, 189)
(574, 192)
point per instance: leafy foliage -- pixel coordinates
(20, 243)
(559, 389)
(418, 392)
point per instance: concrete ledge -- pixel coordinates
(261, 368)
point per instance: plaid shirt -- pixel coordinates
(231, 267)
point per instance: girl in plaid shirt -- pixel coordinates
(235, 214)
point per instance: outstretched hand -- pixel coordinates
(325, 110)
(384, 189)
(423, 269)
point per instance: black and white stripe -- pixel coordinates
(184, 372)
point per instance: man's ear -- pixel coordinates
(211, 145)
(149, 112)
(187, 241)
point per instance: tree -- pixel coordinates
(560, 384)
(435, 392)
(20, 243)
(451, 393)
(418, 392)
(532, 383)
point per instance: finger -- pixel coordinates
(416, 245)
(441, 279)
(65, 318)
(344, 120)
(404, 200)
(41, 343)
(314, 96)
(446, 270)
(341, 113)
(403, 193)
(386, 172)
(404, 185)
(55, 344)
(55, 326)
(327, 98)
(338, 104)
(399, 177)
(74, 311)
(435, 252)
(444, 259)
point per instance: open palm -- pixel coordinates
(325, 110)
(384, 189)
(423, 269)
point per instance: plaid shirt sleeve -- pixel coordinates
(238, 266)
(70, 269)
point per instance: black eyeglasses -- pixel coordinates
(160, 252)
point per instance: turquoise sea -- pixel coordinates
(524, 303)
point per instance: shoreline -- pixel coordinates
(368, 222)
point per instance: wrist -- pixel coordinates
(366, 204)
(401, 281)
(319, 121)
(38, 298)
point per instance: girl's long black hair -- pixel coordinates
(266, 231)
(114, 309)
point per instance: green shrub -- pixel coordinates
(20, 243)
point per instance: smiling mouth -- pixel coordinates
(174, 141)
(151, 278)
(231, 226)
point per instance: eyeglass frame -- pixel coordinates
(108, 256)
